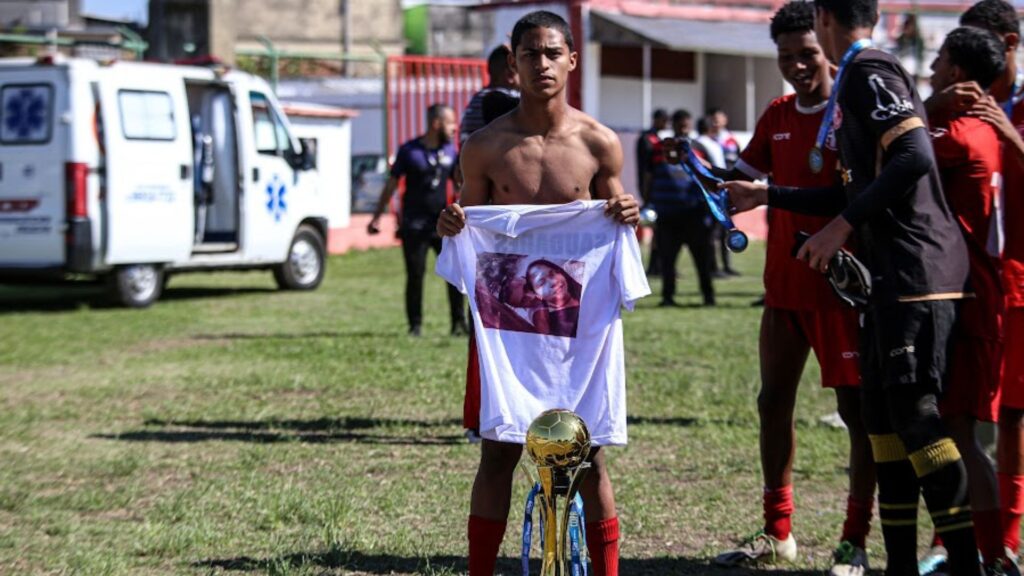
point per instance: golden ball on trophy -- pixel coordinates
(558, 438)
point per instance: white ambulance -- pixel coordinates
(133, 171)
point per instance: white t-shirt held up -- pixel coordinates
(546, 283)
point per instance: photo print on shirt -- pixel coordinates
(529, 294)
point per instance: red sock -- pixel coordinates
(778, 512)
(1011, 497)
(858, 521)
(988, 534)
(485, 538)
(603, 546)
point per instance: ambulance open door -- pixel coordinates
(147, 140)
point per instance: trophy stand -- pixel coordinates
(559, 443)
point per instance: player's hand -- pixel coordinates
(451, 221)
(624, 208)
(373, 228)
(744, 196)
(821, 247)
(988, 110)
(958, 98)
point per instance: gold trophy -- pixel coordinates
(558, 442)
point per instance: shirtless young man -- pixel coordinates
(543, 152)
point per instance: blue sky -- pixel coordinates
(134, 9)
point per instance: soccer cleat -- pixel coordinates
(760, 548)
(1005, 567)
(934, 562)
(849, 560)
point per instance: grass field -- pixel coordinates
(235, 429)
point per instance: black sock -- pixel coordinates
(898, 496)
(943, 479)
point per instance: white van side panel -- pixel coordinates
(148, 165)
(33, 152)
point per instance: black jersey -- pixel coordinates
(906, 232)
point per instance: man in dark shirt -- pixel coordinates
(892, 198)
(502, 80)
(683, 219)
(427, 163)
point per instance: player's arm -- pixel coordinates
(955, 99)
(385, 198)
(746, 195)
(476, 186)
(883, 101)
(608, 180)
(987, 109)
(903, 136)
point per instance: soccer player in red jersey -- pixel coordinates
(969, 155)
(801, 311)
(1003, 108)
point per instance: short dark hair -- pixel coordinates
(851, 13)
(435, 111)
(542, 19)
(712, 112)
(703, 125)
(796, 16)
(659, 114)
(497, 61)
(995, 15)
(680, 115)
(978, 52)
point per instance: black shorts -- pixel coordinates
(907, 343)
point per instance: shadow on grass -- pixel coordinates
(317, 425)
(391, 336)
(354, 561)
(73, 296)
(318, 431)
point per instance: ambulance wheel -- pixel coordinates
(304, 268)
(137, 285)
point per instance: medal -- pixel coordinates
(816, 160)
(718, 202)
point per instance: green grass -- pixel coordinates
(233, 429)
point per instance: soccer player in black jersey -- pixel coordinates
(891, 203)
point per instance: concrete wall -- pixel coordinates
(318, 25)
(620, 100)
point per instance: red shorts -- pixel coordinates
(471, 404)
(1013, 360)
(834, 335)
(972, 383)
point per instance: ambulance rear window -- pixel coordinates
(26, 113)
(146, 115)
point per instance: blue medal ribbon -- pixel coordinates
(830, 111)
(718, 202)
(528, 528)
(577, 533)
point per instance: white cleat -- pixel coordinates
(759, 549)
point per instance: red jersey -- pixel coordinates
(1013, 253)
(969, 155)
(780, 148)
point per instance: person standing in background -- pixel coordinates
(683, 219)
(648, 154)
(427, 163)
(502, 79)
